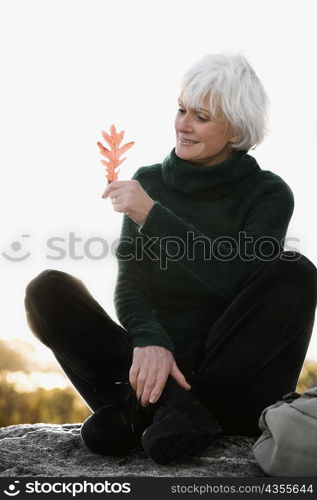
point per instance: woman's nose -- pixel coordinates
(185, 124)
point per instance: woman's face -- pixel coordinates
(212, 138)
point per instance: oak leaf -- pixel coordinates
(113, 154)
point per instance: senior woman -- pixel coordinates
(216, 315)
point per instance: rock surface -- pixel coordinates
(57, 450)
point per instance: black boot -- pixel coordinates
(117, 427)
(181, 425)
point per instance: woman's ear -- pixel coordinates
(234, 139)
(232, 133)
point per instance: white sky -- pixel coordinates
(71, 68)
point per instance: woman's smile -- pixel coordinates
(187, 142)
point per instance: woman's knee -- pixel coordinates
(43, 282)
(298, 271)
(35, 300)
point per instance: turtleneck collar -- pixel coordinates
(183, 176)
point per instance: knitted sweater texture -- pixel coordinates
(180, 270)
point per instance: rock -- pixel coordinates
(57, 450)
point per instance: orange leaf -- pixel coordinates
(114, 141)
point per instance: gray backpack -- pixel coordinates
(288, 444)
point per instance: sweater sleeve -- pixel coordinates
(266, 224)
(133, 295)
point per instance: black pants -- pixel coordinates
(252, 355)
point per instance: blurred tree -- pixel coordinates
(11, 360)
(55, 406)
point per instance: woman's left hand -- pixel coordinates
(130, 198)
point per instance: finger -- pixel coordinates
(140, 383)
(148, 387)
(159, 386)
(118, 184)
(117, 196)
(119, 207)
(110, 188)
(107, 191)
(113, 192)
(179, 377)
(133, 376)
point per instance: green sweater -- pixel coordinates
(192, 265)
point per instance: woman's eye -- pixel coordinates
(201, 118)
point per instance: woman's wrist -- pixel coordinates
(147, 211)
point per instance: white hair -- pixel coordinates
(234, 87)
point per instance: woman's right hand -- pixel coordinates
(151, 366)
